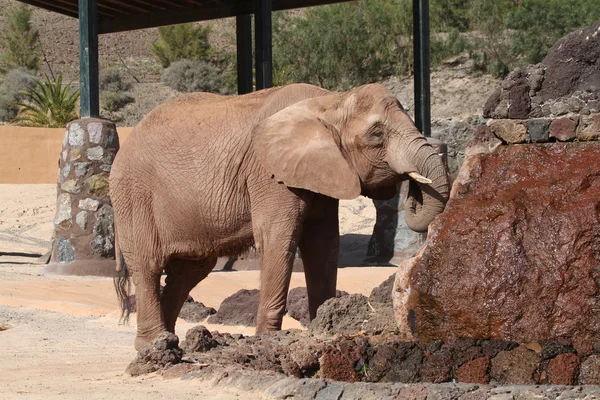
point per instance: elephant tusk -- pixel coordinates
(420, 178)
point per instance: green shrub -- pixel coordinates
(343, 45)
(114, 93)
(193, 76)
(538, 24)
(48, 104)
(19, 40)
(114, 101)
(182, 42)
(11, 87)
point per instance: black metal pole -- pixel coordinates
(243, 24)
(263, 46)
(88, 59)
(422, 66)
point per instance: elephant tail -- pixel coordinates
(122, 284)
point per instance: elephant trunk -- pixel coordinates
(412, 153)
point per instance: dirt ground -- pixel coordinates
(60, 335)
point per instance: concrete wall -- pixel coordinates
(30, 155)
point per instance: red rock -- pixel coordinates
(589, 373)
(515, 367)
(337, 367)
(514, 256)
(563, 129)
(562, 370)
(475, 371)
(437, 368)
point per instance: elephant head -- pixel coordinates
(358, 142)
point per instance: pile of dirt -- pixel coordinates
(238, 309)
(297, 304)
(160, 354)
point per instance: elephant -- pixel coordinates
(205, 176)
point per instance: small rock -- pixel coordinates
(89, 204)
(589, 128)
(63, 215)
(161, 353)
(593, 106)
(74, 155)
(104, 234)
(509, 131)
(81, 219)
(562, 370)
(563, 129)
(333, 365)
(65, 251)
(95, 153)
(475, 371)
(195, 312)
(437, 368)
(516, 367)
(552, 349)
(66, 170)
(71, 186)
(98, 185)
(559, 108)
(198, 340)
(75, 135)
(589, 373)
(81, 168)
(95, 131)
(538, 130)
(575, 104)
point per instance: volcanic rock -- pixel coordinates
(351, 314)
(563, 369)
(514, 256)
(238, 309)
(193, 311)
(297, 304)
(475, 371)
(573, 63)
(517, 366)
(161, 353)
(198, 339)
(383, 292)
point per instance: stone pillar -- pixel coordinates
(392, 240)
(83, 239)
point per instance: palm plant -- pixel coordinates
(48, 104)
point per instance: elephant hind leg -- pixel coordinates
(150, 322)
(182, 276)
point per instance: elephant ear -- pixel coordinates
(301, 150)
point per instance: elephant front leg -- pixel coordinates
(276, 271)
(319, 248)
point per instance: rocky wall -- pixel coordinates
(84, 239)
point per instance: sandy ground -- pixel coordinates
(60, 335)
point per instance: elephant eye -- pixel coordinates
(377, 133)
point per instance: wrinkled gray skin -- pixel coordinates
(205, 176)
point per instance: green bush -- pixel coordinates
(48, 104)
(19, 40)
(114, 93)
(193, 76)
(11, 87)
(343, 45)
(182, 42)
(538, 24)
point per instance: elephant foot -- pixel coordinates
(145, 340)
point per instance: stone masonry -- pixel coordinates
(83, 240)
